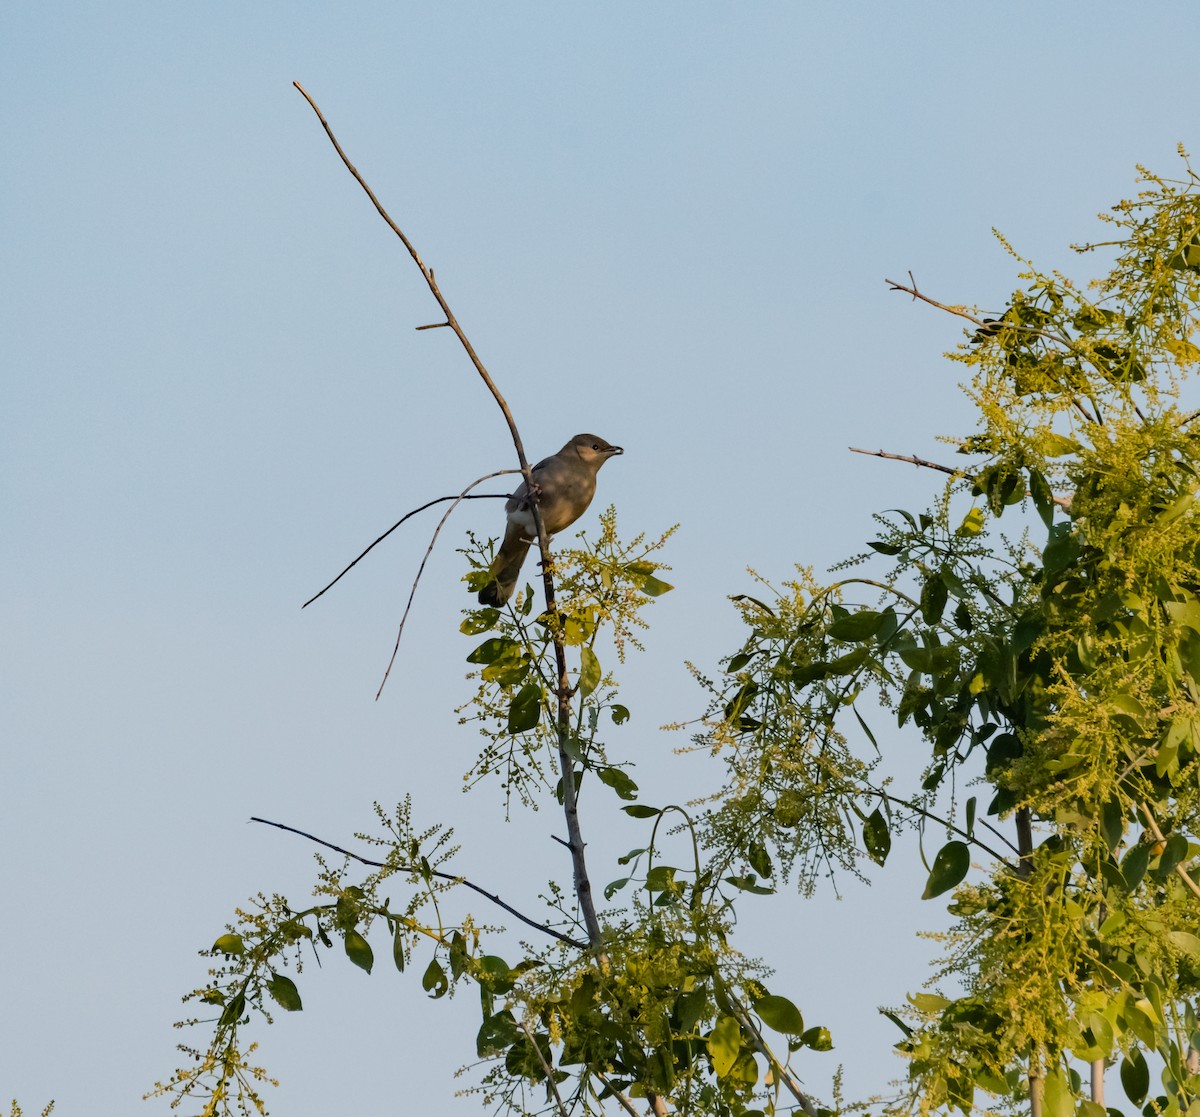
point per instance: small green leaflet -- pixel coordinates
(949, 867)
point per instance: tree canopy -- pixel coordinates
(1037, 627)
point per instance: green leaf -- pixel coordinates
(434, 980)
(760, 860)
(1186, 942)
(856, 627)
(526, 708)
(949, 868)
(234, 1011)
(492, 649)
(1112, 824)
(358, 950)
(1186, 614)
(1057, 1095)
(589, 671)
(648, 583)
(230, 944)
(496, 1033)
(1057, 445)
(1043, 498)
(933, 598)
(1135, 1076)
(779, 1013)
(479, 620)
(818, 1039)
(398, 949)
(641, 810)
(1134, 863)
(618, 781)
(876, 837)
(614, 886)
(749, 883)
(972, 523)
(620, 714)
(724, 1043)
(284, 990)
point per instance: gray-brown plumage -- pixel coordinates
(565, 484)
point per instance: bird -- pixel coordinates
(565, 484)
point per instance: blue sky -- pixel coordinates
(667, 224)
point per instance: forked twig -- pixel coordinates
(911, 289)
(912, 459)
(421, 569)
(408, 516)
(432, 872)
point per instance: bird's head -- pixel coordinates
(593, 449)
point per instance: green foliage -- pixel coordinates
(1064, 674)
(1057, 672)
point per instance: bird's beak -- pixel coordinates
(616, 450)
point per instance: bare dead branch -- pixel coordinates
(408, 515)
(1064, 502)
(912, 459)
(583, 887)
(911, 289)
(491, 896)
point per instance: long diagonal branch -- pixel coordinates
(547, 930)
(583, 887)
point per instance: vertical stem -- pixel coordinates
(1037, 1084)
(1098, 1081)
(1024, 822)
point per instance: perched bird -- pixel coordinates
(565, 486)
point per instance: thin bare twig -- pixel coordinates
(911, 289)
(583, 887)
(546, 1067)
(912, 459)
(432, 872)
(948, 825)
(1064, 502)
(991, 324)
(409, 515)
(412, 593)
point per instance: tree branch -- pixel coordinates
(545, 1067)
(433, 872)
(622, 1100)
(948, 825)
(1158, 834)
(1064, 502)
(409, 515)
(783, 1073)
(583, 887)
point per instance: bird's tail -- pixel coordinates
(505, 569)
